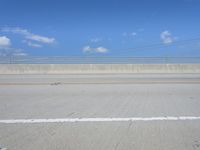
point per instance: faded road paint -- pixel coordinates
(71, 120)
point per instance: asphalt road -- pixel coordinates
(32, 97)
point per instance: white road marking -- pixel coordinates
(72, 120)
(1, 148)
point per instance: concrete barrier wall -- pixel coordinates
(97, 68)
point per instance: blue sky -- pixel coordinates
(100, 27)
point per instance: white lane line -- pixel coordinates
(72, 120)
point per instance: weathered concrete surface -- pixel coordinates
(98, 79)
(97, 68)
(102, 136)
(101, 100)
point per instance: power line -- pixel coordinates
(161, 45)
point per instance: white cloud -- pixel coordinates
(9, 51)
(29, 35)
(133, 33)
(19, 54)
(95, 40)
(88, 49)
(15, 30)
(4, 41)
(41, 39)
(167, 37)
(101, 50)
(31, 44)
(129, 34)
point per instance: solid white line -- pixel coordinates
(72, 120)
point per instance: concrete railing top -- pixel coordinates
(97, 60)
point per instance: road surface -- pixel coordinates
(87, 112)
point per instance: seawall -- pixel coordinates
(97, 68)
